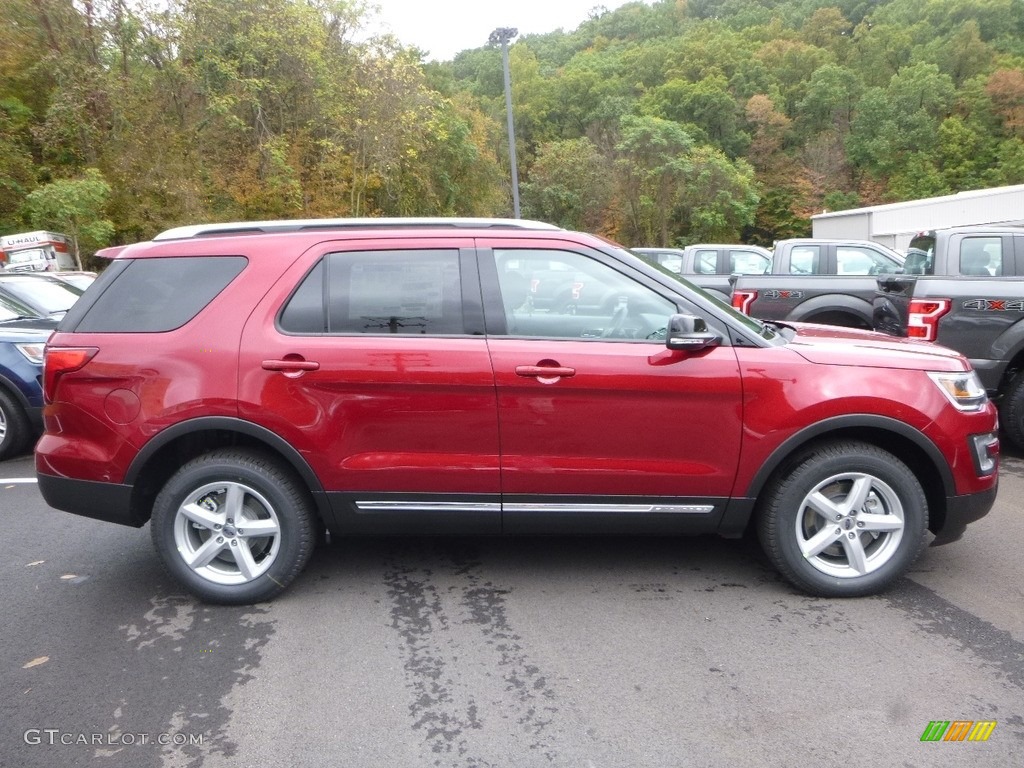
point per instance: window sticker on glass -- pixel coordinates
(403, 290)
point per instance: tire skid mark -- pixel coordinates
(992, 646)
(486, 605)
(440, 670)
(194, 654)
(418, 616)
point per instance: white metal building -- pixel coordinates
(894, 224)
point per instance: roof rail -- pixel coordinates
(307, 225)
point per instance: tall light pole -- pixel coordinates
(504, 35)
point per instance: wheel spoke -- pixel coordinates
(858, 494)
(246, 564)
(855, 554)
(266, 527)
(824, 506)
(880, 522)
(234, 497)
(205, 554)
(819, 542)
(202, 516)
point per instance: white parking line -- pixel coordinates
(20, 480)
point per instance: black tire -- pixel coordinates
(234, 489)
(1011, 412)
(868, 546)
(14, 426)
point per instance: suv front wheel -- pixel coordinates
(14, 427)
(234, 526)
(845, 520)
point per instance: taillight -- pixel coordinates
(742, 300)
(61, 360)
(923, 320)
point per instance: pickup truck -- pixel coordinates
(963, 288)
(817, 281)
(709, 265)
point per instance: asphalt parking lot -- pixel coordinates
(522, 652)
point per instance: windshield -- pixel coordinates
(24, 257)
(79, 280)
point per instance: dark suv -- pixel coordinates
(244, 386)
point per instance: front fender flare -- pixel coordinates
(741, 507)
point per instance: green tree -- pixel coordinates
(880, 51)
(569, 185)
(76, 208)
(919, 177)
(792, 63)
(963, 155)
(17, 172)
(707, 104)
(719, 197)
(830, 101)
(652, 161)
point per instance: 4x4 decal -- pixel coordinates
(995, 305)
(777, 294)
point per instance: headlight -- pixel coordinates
(32, 352)
(963, 390)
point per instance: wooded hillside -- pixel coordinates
(659, 124)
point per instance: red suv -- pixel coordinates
(246, 386)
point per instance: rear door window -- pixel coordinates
(705, 262)
(805, 259)
(981, 256)
(390, 292)
(748, 262)
(855, 260)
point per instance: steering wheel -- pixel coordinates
(617, 320)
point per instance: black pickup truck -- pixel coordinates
(817, 281)
(709, 265)
(963, 288)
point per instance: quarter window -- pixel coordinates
(156, 295)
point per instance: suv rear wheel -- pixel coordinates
(845, 521)
(234, 526)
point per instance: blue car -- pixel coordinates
(21, 372)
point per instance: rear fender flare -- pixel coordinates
(224, 424)
(833, 302)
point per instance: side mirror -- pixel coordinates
(687, 332)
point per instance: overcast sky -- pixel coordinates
(445, 27)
